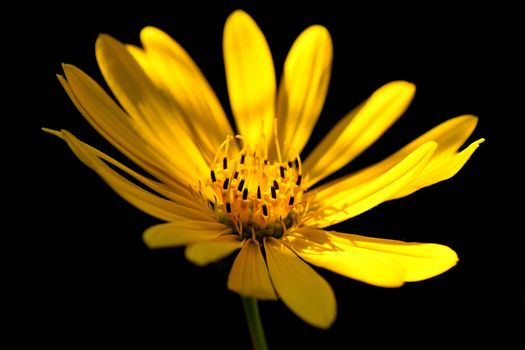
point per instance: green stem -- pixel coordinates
(251, 310)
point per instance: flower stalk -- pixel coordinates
(251, 310)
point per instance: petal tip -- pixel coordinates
(466, 121)
(319, 34)
(406, 85)
(150, 237)
(238, 18)
(239, 13)
(149, 33)
(189, 255)
(470, 117)
(320, 30)
(52, 131)
(103, 41)
(330, 317)
(68, 68)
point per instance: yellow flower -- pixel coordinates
(219, 191)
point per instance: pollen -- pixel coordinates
(255, 196)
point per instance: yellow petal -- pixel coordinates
(334, 205)
(157, 117)
(306, 293)
(168, 64)
(249, 275)
(140, 56)
(445, 162)
(113, 123)
(449, 135)
(303, 88)
(205, 252)
(439, 170)
(358, 130)
(140, 198)
(416, 261)
(179, 233)
(251, 78)
(189, 208)
(357, 264)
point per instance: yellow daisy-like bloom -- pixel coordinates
(220, 191)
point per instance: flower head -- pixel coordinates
(219, 191)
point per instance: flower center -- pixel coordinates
(254, 196)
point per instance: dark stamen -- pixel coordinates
(245, 194)
(242, 158)
(226, 183)
(224, 163)
(275, 184)
(282, 171)
(290, 164)
(265, 210)
(235, 174)
(297, 163)
(274, 195)
(290, 202)
(266, 162)
(241, 185)
(298, 182)
(213, 178)
(228, 207)
(258, 192)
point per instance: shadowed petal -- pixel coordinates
(156, 117)
(306, 293)
(146, 201)
(178, 233)
(249, 275)
(205, 252)
(173, 70)
(118, 128)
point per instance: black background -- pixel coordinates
(81, 274)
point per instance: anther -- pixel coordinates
(290, 164)
(242, 158)
(274, 195)
(235, 174)
(241, 185)
(245, 194)
(226, 183)
(275, 184)
(213, 178)
(258, 192)
(266, 162)
(290, 202)
(228, 207)
(281, 168)
(298, 182)
(265, 210)
(297, 163)
(225, 163)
